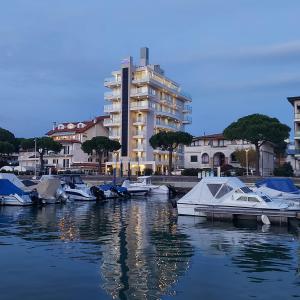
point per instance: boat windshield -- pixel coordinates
(266, 198)
(245, 190)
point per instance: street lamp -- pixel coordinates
(247, 164)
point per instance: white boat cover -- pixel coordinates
(212, 189)
(48, 188)
(14, 179)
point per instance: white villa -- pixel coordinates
(71, 135)
(141, 102)
(211, 151)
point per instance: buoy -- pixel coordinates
(265, 220)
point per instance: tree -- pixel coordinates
(6, 136)
(43, 145)
(100, 145)
(284, 170)
(169, 141)
(240, 155)
(257, 129)
(6, 149)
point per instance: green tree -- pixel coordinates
(43, 145)
(169, 141)
(6, 149)
(257, 129)
(6, 136)
(100, 145)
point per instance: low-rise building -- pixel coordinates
(71, 135)
(211, 151)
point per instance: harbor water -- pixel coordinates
(140, 249)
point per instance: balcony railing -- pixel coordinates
(187, 119)
(112, 107)
(139, 147)
(140, 105)
(297, 116)
(187, 108)
(112, 81)
(139, 133)
(108, 122)
(112, 95)
(168, 113)
(139, 121)
(168, 125)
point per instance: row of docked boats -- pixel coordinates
(272, 199)
(59, 189)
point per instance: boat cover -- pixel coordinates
(285, 185)
(12, 178)
(48, 188)
(213, 189)
(8, 188)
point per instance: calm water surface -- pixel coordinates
(139, 249)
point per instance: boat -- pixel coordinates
(145, 182)
(278, 188)
(135, 190)
(76, 189)
(113, 191)
(50, 191)
(226, 197)
(10, 194)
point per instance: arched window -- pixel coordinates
(233, 158)
(205, 158)
(70, 126)
(61, 126)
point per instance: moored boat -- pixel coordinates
(226, 197)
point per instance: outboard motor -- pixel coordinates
(97, 193)
(61, 195)
(34, 196)
(172, 190)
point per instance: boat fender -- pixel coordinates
(265, 220)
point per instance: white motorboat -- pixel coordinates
(10, 194)
(76, 189)
(135, 190)
(278, 188)
(227, 192)
(145, 182)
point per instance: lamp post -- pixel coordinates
(247, 165)
(35, 158)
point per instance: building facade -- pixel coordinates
(211, 151)
(294, 147)
(141, 102)
(71, 135)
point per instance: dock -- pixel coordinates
(219, 212)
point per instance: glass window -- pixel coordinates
(245, 190)
(214, 188)
(242, 198)
(253, 199)
(223, 191)
(205, 158)
(194, 158)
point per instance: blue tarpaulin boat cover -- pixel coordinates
(8, 188)
(285, 185)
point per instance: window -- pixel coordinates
(242, 198)
(253, 199)
(205, 158)
(233, 158)
(194, 158)
(66, 163)
(223, 191)
(214, 188)
(245, 190)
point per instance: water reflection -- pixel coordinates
(140, 251)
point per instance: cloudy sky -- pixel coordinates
(234, 57)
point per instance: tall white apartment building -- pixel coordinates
(294, 152)
(141, 102)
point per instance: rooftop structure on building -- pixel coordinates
(141, 102)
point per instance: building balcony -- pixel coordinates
(139, 148)
(111, 81)
(112, 95)
(139, 121)
(139, 93)
(139, 134)
(145, 105)
(112, 122)
(187, 109)
(187, 120)
(168, 125)
(297, 135)
(161, 161)
(174, 115)
(112, 108)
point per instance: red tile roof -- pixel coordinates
(88, 124)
